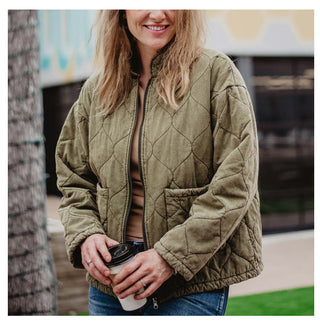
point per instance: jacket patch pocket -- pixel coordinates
(179, 202)
(102, 202)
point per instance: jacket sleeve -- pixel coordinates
(76, 181)
(216, 214)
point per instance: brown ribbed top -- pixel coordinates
(134, 226)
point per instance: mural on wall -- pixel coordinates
(66, 50)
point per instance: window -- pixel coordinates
(57, 102)
(284, 102)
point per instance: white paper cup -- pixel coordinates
(125, 252)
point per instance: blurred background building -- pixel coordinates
(273, 50)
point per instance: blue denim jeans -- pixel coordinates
(209, 303)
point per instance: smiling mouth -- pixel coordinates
(157, 28)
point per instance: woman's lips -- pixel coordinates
(156, 29)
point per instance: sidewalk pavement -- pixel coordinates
(288, 258)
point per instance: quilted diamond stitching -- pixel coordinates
(237, 95)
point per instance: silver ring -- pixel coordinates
(88, 262)
(143, 284)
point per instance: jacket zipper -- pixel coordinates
(128, 166)
(140, 168)
(155, 303)
(140, 165)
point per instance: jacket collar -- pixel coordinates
(155, 62)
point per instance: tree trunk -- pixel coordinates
(31, 276)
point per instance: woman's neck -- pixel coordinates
(146, 58)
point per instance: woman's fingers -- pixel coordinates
(97, 261)
(103, 247)
(93, 249)
(110, 241)
(133, 289)
(94, 272)
(131, 283)
(147, 268)
(148, 291)
(124, 277)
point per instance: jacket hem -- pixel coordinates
(208, 286)
(189, 288)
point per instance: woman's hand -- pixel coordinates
(91, 260)
(147, 268)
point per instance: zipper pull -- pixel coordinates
(155, 303)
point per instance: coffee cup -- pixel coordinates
(120, 255)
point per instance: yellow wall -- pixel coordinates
(248, 24)
(267, 29)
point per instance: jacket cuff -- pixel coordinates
(173, 262)
(73, 248)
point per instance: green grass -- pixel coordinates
(286, 302)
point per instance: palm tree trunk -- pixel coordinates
(31, 276)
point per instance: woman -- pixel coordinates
(161, 150)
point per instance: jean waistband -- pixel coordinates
(139, 246)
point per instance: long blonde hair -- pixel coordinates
(115, 48)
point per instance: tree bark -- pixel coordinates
(31, 275)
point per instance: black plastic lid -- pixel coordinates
(120, 253)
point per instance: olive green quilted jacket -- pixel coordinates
(199, 167)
